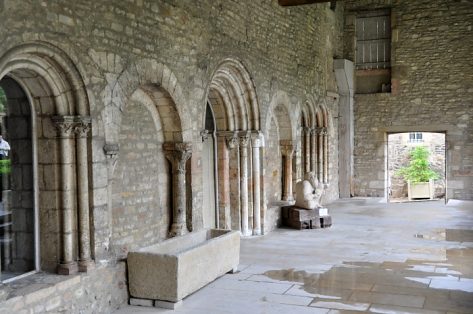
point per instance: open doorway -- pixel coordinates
(410, 151)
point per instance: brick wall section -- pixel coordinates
(432, 83)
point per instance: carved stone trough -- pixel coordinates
(173, 269)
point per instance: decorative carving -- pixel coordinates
(82, 126)
(245, 138)
(204, 134)
(65, 125)
(257, 139)
(232, 141)
(111, 149)
(178, 154)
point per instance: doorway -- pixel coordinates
(18, 222)
(401, 154)
(209, 171)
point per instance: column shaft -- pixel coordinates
(85, 261)
(65, 127)
(256, 144)
(313, 155)
(178, 154)
(244, 183)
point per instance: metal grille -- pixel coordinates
(373, 44)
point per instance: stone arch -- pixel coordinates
(280, 152)
(56, 92)
(232, 97)
(141, 215)
(161, 83)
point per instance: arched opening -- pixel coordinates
(151, 154)
(47, 123)
(232, 100)
(209, 166)
(18, 245)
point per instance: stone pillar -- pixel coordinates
(223, 182)
(82, 129)
(313, 147)
(306, 150)
(325, 155)
(244, 141)
(256, 143)
(344, 73)
(178, 154)
(320, 151)
(65, 126)
(287, 150)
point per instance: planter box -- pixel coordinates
(175, 268)
(420, 190)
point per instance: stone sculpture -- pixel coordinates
(308, 192)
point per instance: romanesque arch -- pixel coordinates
(234, 105)
(150, 150)
(280, 149)
(48, 82)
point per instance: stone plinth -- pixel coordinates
(173, 269)
(301, 218)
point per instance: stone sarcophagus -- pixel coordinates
(175, 268)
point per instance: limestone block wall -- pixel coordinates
(432, 90)
(122, 47)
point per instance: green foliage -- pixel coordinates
(3, 100)
(419, 168)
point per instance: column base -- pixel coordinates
(246, 233)
(67, 269)
(256, 232)
(177, 230)
(86, 265)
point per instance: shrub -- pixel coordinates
(418, 169)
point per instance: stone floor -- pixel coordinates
(377, 257)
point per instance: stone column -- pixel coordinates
(82, 129)
(287, 150)
(325, 154)
(178, 154)
(65, 126)
(313, 147)
(244, 141)
(344, 73)
(256, 143)
(306, 150)
(320, 150)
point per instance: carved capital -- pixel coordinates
(307, 130)
(65, 125)
(111, 150)
(321, 130)
(204, 134)
(245, 139)
(82, 126)
(257, 139)
(178, 154)
(232, 140)
(287, 148)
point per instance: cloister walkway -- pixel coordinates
(377, 257)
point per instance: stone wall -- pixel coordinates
(100, 291)
(432, 89)
(121, 47)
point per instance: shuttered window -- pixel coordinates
(373, 40)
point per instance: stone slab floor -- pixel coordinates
(377, 257)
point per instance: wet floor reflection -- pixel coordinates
(445, 285)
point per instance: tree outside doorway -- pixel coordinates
(400, 146)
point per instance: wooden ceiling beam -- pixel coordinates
(286, 3)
